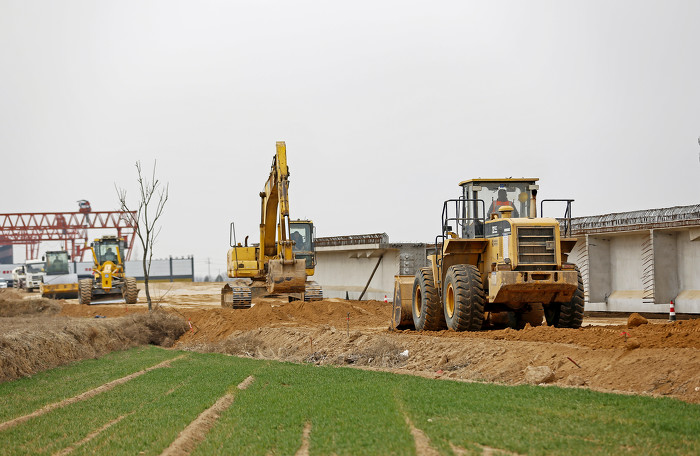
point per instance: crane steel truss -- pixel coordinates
(32, 228)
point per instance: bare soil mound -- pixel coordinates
(657, 358)
(32, 344)
(14, 303)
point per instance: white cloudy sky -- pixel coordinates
(385, 106)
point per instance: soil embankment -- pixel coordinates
(36, 337)
(655, 358)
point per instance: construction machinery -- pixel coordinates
(286, 255)
(495, 263)
(29, 276)
(109, 283)
(58, 281)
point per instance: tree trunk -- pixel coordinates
(145, 283)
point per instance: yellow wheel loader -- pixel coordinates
(286, 256)
(109, 283)
(495, 263)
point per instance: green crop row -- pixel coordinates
(349, 411)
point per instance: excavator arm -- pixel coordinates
(274, 240)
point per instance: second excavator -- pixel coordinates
(285, 257)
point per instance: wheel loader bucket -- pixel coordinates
(401, 315)
(286, 278)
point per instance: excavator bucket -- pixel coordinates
(286, 278)
(402, 310)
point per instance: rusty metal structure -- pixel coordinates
(71, 228)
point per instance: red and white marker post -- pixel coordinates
(672, 312)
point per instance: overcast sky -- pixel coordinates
(385, 107)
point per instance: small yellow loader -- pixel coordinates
(109, 283)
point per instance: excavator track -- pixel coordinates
(236, 297)
(313, 292)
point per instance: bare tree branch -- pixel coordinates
(146, 229)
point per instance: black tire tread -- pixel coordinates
(469, 297)
(571, 313)
(431, 317)
(131, 291)
(85, 288)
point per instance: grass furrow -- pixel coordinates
(23, 396)
(348, 412)
(160, 404)
(348, 409)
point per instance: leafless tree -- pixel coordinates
(152, 198)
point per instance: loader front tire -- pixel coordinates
(427, 311)
(85, 288)
(131, 291)
(568, 314)
(463, 298)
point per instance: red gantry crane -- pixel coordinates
(31, 228)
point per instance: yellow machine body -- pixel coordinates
(285, 257)
(496, 264)
(58, 282)
(109, 279)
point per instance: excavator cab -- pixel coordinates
(302, 234)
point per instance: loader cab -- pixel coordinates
(106, 249)
(482, 199)
(303, 234)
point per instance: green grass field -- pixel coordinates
(350, 412)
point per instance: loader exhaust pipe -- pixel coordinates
(533, 203)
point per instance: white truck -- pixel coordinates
(30, 276)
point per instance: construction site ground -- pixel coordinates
(657, 358)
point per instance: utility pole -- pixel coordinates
(209, 267)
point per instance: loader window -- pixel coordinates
(497, 195)
(106, 252)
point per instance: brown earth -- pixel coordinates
(658, 358)
(39, 339)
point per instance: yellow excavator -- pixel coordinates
(109, 283)
(495, 263)
(285, 257)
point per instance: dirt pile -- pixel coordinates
(33, 344)
(656, 358)
(15, 303)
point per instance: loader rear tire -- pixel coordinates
(463, 298)
(131, 291)
(427, 310)
(568, 314)
(85, 286)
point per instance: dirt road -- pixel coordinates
(657, 358)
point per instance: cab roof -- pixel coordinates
(509, 179)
